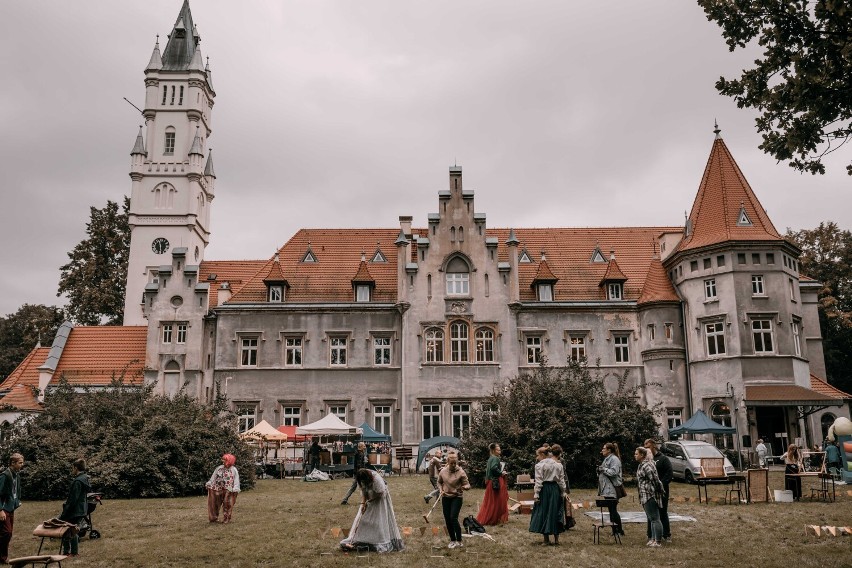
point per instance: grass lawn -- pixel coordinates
(287, 522)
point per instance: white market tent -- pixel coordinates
(329, 425)
(264, 431)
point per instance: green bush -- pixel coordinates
(136, 443)
(565, 405)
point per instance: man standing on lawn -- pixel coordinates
(76, 506)
(664, 470)
(10, 499)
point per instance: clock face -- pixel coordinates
(160, 245)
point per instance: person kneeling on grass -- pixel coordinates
(75, 507)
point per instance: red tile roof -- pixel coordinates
(94, 355)
(544, 274)
(275, 274)
(613, 272)
(723, 193)
(235, 272)
(363, 274)
(785, 393)
(823, 387)
(26, 373)
(22, 397)
(658, 287)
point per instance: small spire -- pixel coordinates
(543, 257)
(197, 62)
(512, 240)
(156, 61)
(401, 240)
(363, 256)
(612, 254)
(196, 144)
(275, 257)
(139, 146)
(716, 129)
(208, 168)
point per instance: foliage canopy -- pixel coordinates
(136, 443)
(95, 278)
(569, 406)
(802, 82)
(23, 330)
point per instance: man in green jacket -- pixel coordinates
(76, 506)
(10, 499)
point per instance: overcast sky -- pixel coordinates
(348, 114)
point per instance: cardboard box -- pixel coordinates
(783, 496)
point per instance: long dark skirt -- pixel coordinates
(548, 515)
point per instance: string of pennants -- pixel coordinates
(827, 530)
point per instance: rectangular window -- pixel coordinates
(652, 332)
(669, 331)
(169, 147)
(757, 285)
(533, 349)
(706, 263)
(458, 284)
(792, 285)
(770, 258)
(382, 350)
(578, 347)
(459, 335)
(693, 265)
(246, 417)
(622, 350)
(715, 338)
(755, 258)
(338, 410)
(797, 339)
(337, 345)
(614, 291)
(181, 333)
(434, 344)
(762, 333)
(180, 97)
(293, 351)
(545, 292)
(362, 293)
(720, 260)
(461, 419)
(248, 357)
(167, 332)
(674, 417)
(292, 415)
(382, 419)
(172, 99)
(741, 258)
(165, 92)
(484, 345)
(710, 289)
(431, 420)
(276, 294)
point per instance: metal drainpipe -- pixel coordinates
(686, 353)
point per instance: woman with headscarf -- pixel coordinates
(375, 525)
(222, 490)
(495, 503)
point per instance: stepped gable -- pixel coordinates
(329, 279)
(26, 373)
(22, 397)
(658, 287)
(723, 196)
(822, 387)
(235, 272)
(569, 251)
(93, 355)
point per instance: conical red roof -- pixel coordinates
(613, 272)
(658, 287)
(544, 274)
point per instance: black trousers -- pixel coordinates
(452, 507)
(614, 517)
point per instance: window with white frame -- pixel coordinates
(291, 415)
(293, 351)
(246, 417)
(674, 417)
(545, 292)
(431, 420)
(337, 348)
(761, 330)
(362, 293)
(461, 419)
(533, 349)
(614, 290)
(757, 288)
(181, 333)
(622, 348)
(459, 339)
(715, 334)
(434, 344)
(484, 345)
(710, 289)
(488, 409)
(248, 352)
(797, 338)
(721, 414)
(578, 347)
(338, 410)
(276, 294)
(382, 419)
(169, 143)
(168, 329)
(458, 284)
(382, 350)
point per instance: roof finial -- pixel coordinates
(158, 40)
(716, 129)
(363, 256)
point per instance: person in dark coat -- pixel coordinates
(314, 454)
(10, 499)
(664, 471)
(76, 506)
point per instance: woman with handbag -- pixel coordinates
(611, 484)
(495, 503)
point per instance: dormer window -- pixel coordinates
(614, 291)
(545, 292)
(276, 294)
(362, 293)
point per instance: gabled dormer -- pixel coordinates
(613, 280)
(544, 281)
(276, 283)
(363, 283)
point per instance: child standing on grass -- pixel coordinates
(222, 490)
(75, 507)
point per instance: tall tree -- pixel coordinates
(827, 257)
(19, 333)
(96, 275)
(802, 82)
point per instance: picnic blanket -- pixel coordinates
(638, 517)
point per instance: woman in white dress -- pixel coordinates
(375, 524)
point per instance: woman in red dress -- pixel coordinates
(495, 504)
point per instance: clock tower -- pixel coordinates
(171, 167)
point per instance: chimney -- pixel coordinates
(224, 293)
(405, 224)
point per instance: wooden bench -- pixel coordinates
(404, 455)
(712, 469)
(43, 560)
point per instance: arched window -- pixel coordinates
(459, 340)
(169, 141)
(434, 345)
(452, 234)
(164, 196)
(825, 422)
(458, 277)
(484, 345)
(721, 413)
(461, 234)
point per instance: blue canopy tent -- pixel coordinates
(370, 435)
(427, 445)
(700, 423)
